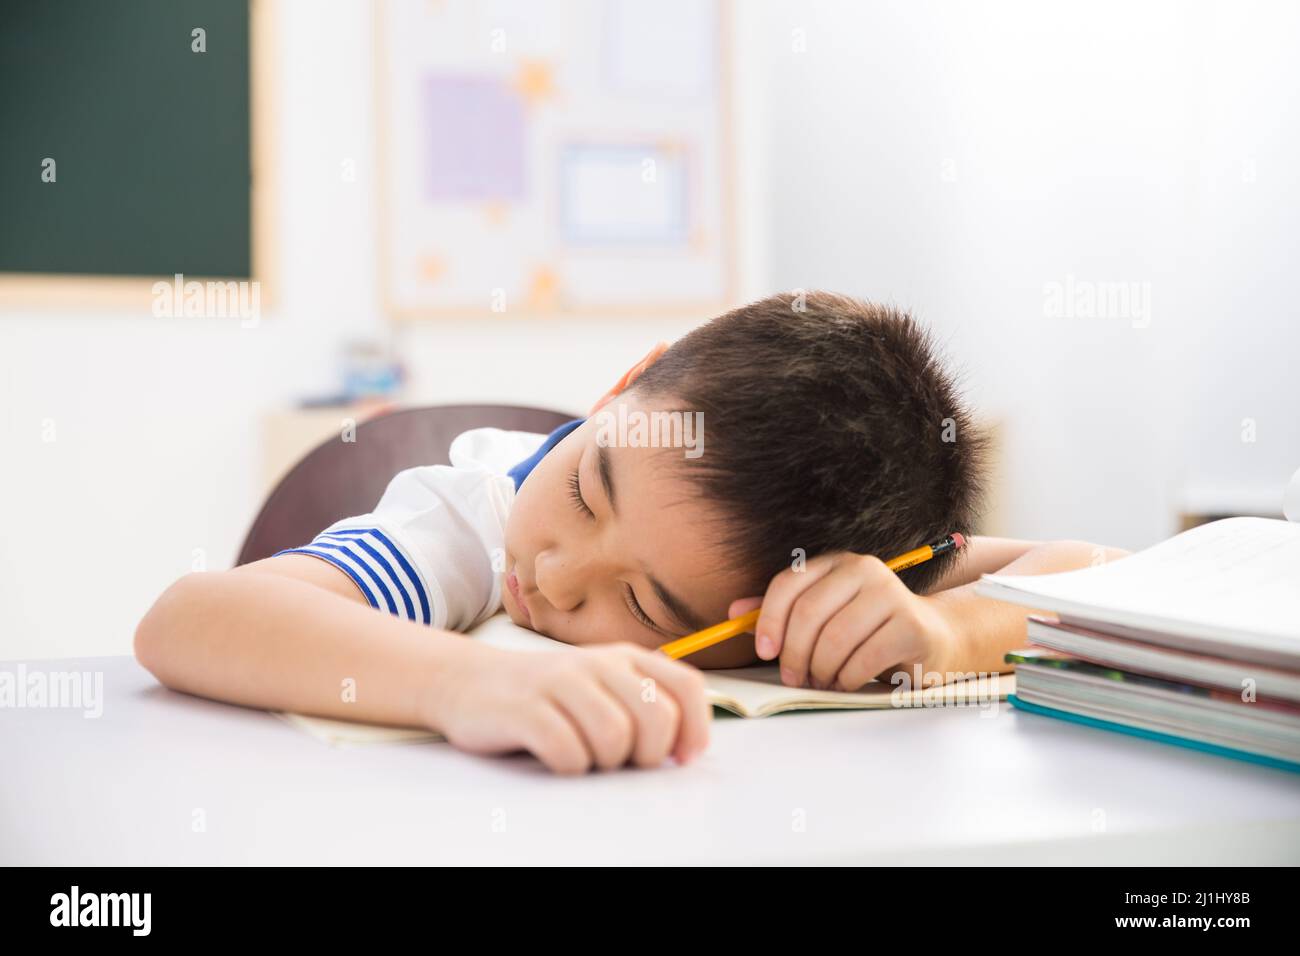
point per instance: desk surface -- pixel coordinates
(956, 785)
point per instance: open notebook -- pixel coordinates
(747, 692)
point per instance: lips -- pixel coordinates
(512, 583)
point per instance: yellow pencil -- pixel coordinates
(745, 623)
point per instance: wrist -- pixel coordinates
(443, 677)
(955, 653)
(983, 630)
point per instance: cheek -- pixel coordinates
(516, 525)
(541, 500)
(530, 516)
(603, 625)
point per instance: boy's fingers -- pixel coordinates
(810, 613)
(655, 717)
(780, 597)
(743, 606)
(766, 648)
(553, 739)
(890, 645)
(606, 727)
(687, 686)
(842, 635)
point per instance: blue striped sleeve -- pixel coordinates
(380, 568)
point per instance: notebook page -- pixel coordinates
(758, 692)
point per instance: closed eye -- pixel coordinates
(575, 494)
(629, 598)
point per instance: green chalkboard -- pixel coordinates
(150, 139)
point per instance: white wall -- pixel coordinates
(1103, 140)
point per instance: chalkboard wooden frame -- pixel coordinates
(76, 292)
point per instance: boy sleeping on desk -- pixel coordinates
(809, 436)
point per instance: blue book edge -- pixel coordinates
(1154, 735)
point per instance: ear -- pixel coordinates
(630, 376)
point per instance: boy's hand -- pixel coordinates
(602, 705)
(845, 619)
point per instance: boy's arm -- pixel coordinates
(987, 629)
(294, 633)
(982, 555)
(285, 633)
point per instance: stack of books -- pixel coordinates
(1195, 641)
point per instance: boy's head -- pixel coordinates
(828, 424)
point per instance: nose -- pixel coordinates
(562, 577)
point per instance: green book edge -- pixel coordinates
(1154, 735)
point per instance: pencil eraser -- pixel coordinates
(959, 539)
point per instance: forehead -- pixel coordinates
(666, 524)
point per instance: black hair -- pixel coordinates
(830, 424)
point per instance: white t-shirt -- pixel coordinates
(433, 549)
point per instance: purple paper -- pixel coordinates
(475, 138)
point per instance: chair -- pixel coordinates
(338, 479)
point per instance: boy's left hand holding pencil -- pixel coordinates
(844, 619)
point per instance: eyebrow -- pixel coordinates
(677, 609)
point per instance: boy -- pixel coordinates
(830, 438)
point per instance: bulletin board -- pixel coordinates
(554, 157)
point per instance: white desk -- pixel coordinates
(936, 786)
